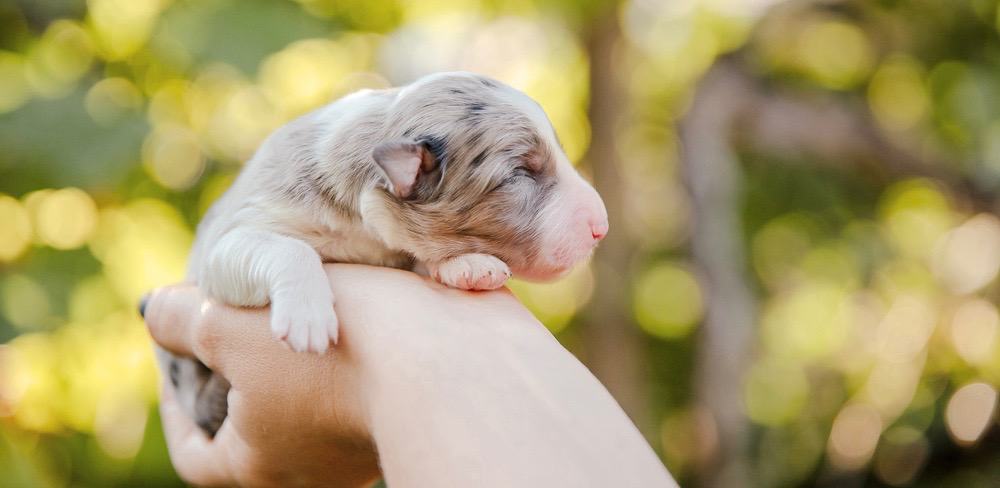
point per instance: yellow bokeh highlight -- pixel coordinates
(897, 94)
(62, 55)
(30, 384)
(775, 392)
(668, 301)
(142, 245)
(111, 98)
(905, 277)
(169, 105)
(836, 54)
(808, 322)
(63, 219)
(521, 52)
(241, 122)
(555, 304)
(892, 385)
(836, 263)
(779, 246)
(122, 27)
(15, 227)
(87, 377)
(914, 214)
(906, 328)
(14, 90)
(93, 299)
(973, 330)
(24, 302)
(309, 73)
(173, 157)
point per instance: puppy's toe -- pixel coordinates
(472, 272)
(305, 323)
(298, 337)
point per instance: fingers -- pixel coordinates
(197, 459)
(183, 321)
(172, 314)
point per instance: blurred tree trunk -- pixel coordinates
(713, 177)
(733, 110)
(613, 348)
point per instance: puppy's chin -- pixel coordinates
(540, 275)
(549, 271)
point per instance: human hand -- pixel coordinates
(294, 419)
(452, 388)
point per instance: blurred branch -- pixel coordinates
(613, 348)
(825, 128)
(712, 174)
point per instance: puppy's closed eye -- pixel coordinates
(520, 174)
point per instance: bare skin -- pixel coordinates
(438, 386)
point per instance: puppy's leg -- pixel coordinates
(471, 272)
(201, 394)
(250, 267)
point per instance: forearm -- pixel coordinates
(495, 402)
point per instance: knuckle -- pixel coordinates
(207, 333)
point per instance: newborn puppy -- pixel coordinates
(456, 175)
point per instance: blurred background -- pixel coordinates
(799, 288)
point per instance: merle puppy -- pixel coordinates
(457, 176)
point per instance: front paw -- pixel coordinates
(306, 323)
(471, 272)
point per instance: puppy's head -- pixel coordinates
(469, 165)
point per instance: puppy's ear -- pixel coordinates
(403, 163)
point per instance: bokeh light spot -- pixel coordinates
(974, 330)
(914, 214)
(173, 157)
(968, 257)
(854, 435)
(970, 412)
(808, 322)
(779, 246)
(15, 227)
(835, 53)
(556, 303)
(65, 219)
(13, 86)
(668, 301)
(25, 302)
(775, 392)
(62, 55)
(308, 73)
(897, 94)
(121, 27)
(906, 328)
(111, 98)
(142, 245)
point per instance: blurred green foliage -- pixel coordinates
(878, 336)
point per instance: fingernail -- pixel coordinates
(142, 305)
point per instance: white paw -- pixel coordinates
(471, 272)
(305, 322)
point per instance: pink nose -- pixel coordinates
(599, 229)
